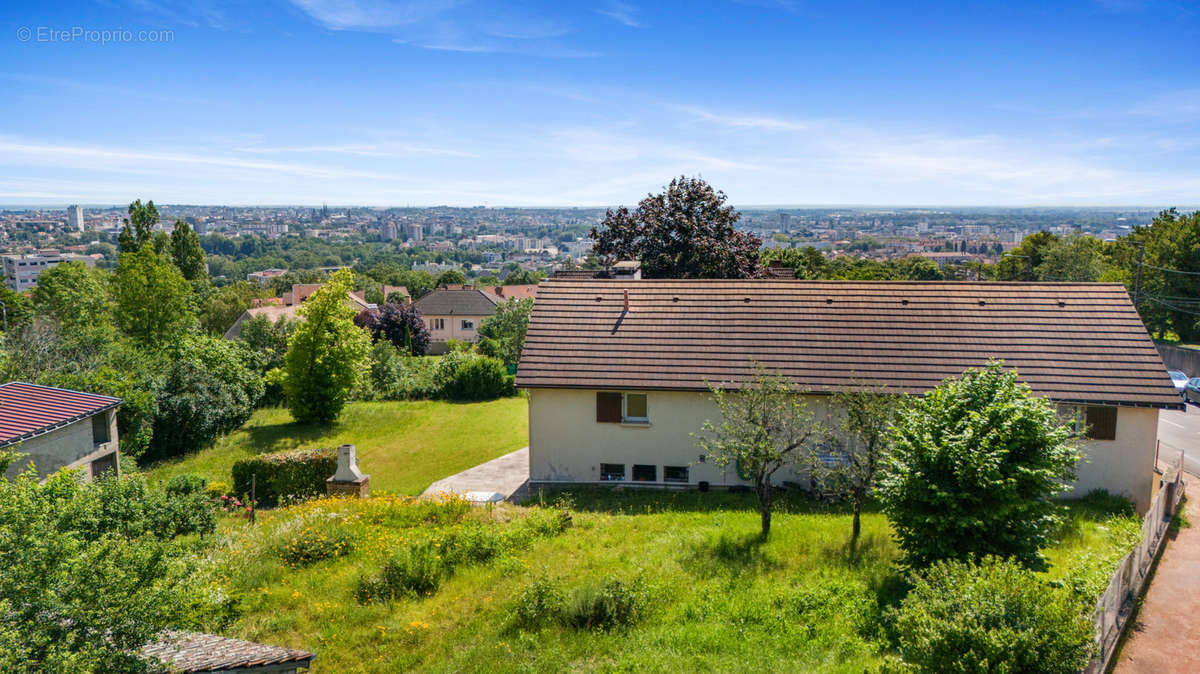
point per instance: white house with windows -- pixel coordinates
(618, 371)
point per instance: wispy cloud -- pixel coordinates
(621, 12)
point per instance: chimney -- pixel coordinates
(627, 299)
(348, 480)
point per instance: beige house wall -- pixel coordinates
(453, 328)
(70, 446)
(567, 444)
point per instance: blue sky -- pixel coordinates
(375, 102)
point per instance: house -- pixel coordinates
(285, 307)
(58, 428)
(618, 370)
(455, 314)
(195, 652)
(516, 291)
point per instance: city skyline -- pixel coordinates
(470, 103)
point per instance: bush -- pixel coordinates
(273, 388)
(300, 474)
(216, 490)
(187, 483)
(539, 604)
(314, 543)
(992, 617)
(987, 458)
(466, 377)
(612, 603)
(408, 572)
(473, 544)
(394, 376)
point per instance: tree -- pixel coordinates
(139, 226)
(974, 470)
(153, 298)
(765, 425)
(85, 574)
(268, 340)
(78, 299)
(451, 277)
(209, 388)
(522, 277)
(17, 309)
(187, 253)
(687, 231)
(224, 305)
(1021, 263)
(1170, 262)
(502, 335)
(326, 353)
(487, 281)
(400, 324)
(865, 443)
(1078, 257)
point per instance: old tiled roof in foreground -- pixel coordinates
(27, 410)
(1080, 342)
(190, 652)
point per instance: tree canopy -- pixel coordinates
(502, 335)
(153, 298)
(686, 231)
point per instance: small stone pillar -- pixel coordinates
(348, 480)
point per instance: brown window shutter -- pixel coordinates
(608, 407)
(1102, 422)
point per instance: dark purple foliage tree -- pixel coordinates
(685, 232)
(400, 324)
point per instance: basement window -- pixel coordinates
(1101, 422)
(675, 473)
(645, 473)
(612, 472)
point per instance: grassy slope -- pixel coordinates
(722, 600)
(403, 446)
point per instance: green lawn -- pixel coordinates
(720, 598)
(403, 446)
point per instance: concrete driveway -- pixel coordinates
(496, 480)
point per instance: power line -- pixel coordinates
(1171, 306)
(1173, 271)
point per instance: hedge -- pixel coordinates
(298, 474)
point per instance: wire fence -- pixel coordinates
(1114, 607)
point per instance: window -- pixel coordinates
(612, 472)
(437, 324)
(1101, 422)
(100, 428)
(636, 408)
(615, 408)
(675, 473)
(468, 325)
(645, 473)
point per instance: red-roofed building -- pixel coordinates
(58, 428)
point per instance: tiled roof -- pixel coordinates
(189, 652)
(1079, 342)
(442, 302)
(27, 410)
(521, 292)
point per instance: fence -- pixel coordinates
(1115, 605)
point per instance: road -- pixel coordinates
(1180, 431)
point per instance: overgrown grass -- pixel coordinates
(643, 580)
(403, 446)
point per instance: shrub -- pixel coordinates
(994, 616)
(611, 603)
(187, 483)
(473, 544)
(408, 572)
(216, 490)
(465, 377)
(273, 387)
(300, 474)
(314, 543)
(394, 376)
(180, 515)
(987, 458)
(538, 604)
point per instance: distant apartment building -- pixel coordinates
(387, 231)
(415, 232)
(21, 272)
(75, 218)
(265, 276)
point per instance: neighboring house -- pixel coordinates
(519, 292)
(455, 314)
(57, 428)
(194, 652)
(286, 307)
(618, 370)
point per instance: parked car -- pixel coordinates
(1191, 392)
(1179, 379)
